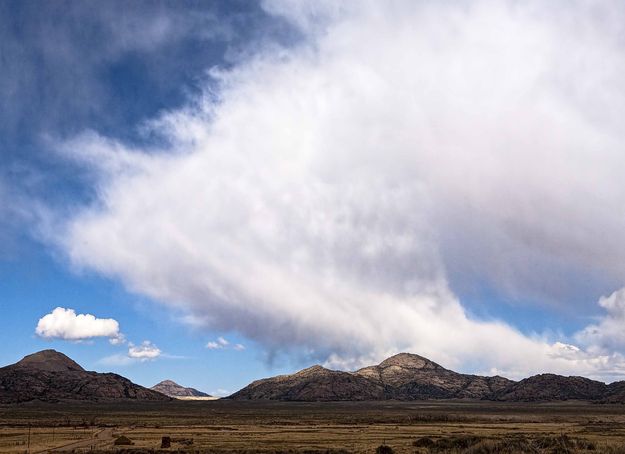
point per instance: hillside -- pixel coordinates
(51, 376)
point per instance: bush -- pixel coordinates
(384, 449)
(423, 442)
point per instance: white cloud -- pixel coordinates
(325, 202)
(221, 343)
(65, 324)
(144, 352)
(120, 339)
(608, 334)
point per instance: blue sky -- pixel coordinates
(311, 183)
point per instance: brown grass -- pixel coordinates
(268, 427)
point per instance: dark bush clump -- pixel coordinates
(384, 449)
(423, 442)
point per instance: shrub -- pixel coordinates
(384, 449)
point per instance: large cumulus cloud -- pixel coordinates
(65, 324)
(325, 195)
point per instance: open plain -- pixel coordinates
(231, 426)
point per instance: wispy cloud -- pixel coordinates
(116, 359)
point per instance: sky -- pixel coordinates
(215, 192)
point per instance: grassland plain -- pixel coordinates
(236, 427)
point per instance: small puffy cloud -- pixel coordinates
(218, 344)
(65, 324)
(144, 352)
(222, 343)
(119, 340)
(566, 351)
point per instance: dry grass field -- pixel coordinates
(229, 426)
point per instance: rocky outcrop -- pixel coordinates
(51, 376)
(172, 389)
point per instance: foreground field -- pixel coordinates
(228, 426)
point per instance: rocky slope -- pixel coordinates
(403, 377)
(407, 376)
(411, 377)
(51, 376)
(172, 389)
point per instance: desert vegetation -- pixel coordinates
(328, 427)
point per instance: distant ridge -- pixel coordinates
(407, 376)
(51, 376)
(172, 389)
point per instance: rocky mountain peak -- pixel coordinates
(50, 361)
(172, 389)
(316, 369)
(409, 361)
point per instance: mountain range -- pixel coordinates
(51, 376)
(401, 377)
(412, 377)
